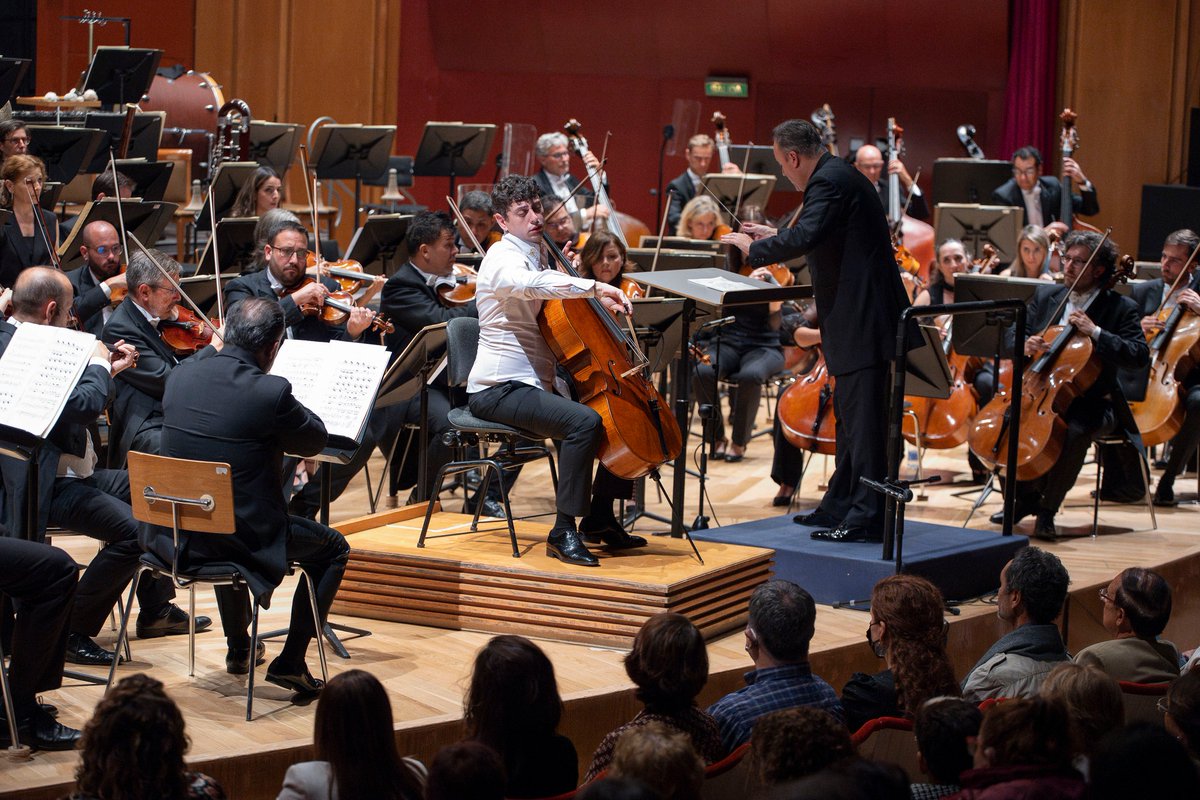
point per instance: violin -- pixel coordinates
(987, 262)
(779, 272)
(463, 290)
(336, 307)
(632, 289)
(347, 272)
(186, 333)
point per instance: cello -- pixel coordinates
(639, 433)
(805, 411)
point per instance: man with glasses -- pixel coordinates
(99, 277)
(1041, 195)
(560, 227)
(555, 176)
(14, 138)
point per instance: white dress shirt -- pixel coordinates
(559, 184)
(509, 291)
(1033, 206)
(1078, 301)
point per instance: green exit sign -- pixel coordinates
(727, 87)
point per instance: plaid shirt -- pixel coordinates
(932, 791)
(768, 690)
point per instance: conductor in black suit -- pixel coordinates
(261, 420)
(100, 274)
(843, 231)
(1041, 196)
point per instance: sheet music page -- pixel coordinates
(39, 369)
(719, 284)
(337, 381)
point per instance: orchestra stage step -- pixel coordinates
(471, 581)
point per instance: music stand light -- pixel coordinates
(357, 152)
(379, 245)
(453, 149)
(64, 150)
(273, 144)
(121, 74)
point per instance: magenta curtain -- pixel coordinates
(1029, 113)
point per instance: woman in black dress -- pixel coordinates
(21, 242)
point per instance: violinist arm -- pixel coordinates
(1086, 202)
(360, 319)
(407, 301)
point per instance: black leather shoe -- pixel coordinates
(1113, 496)
(82, 650)
(237, 661)
(847, 534)
(491, 508)
(1019, 513)
(612, 536)
(301, 682)
(567, 546)
(1044, 528)
(816, 519)
(172, 621)
(1164, 495)
(42, 732)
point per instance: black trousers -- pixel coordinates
(748, 367)
(40, 580)
(788, 462)
(860, 405)
(1183, 446)
(307, 502)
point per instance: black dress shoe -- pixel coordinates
(612, 536)
(816, 519)
(41, 731)
(171, 621)
(1164, 495)
(1113, 496)
(733, 458)
(567, 546)
(237, 660)
(1019, 513)
(491, 508)
(848, 534)
(82, 650)
(301, 682)
(1044, 528)
(781, 500)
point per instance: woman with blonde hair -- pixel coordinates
(1033, 252)
(699, 218)
(21, 241)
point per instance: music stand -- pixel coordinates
(145, 220)
(64, 150)
(967, 180)
(453, 149)
(342, 152)
(273, 144)
(224, 188)
(236, 247)
(755, 189)
(51, 191)
(203, 288)
(762, 162)
(673, 259)
(975, 334)
(121, 74)
(682, 243)
(150, 178)
(975, 226)
(144, 137)
(12, 72)
(379, 245)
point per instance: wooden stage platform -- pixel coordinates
(426, 668)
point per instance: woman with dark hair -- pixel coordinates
(513, 707)
(258, 195)
(1137, 606)
(669, 665)
(908, 631)
(603, 258)
(133, 749)
(1181, 714)
(355, 740)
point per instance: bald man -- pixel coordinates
(869, 161)
(99, 276)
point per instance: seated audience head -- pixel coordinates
(662, 759)
(559, 225)
(513, 694)
(14, 173)
(465, 771)
(355, 734)
(103, 186)
(602, 258)
(781, 623)
(946, 728)
(1033, 588)
(908, 629)
(259, 194)
(1142, 760)
(430, 240)
(668, 662)
(1182, 717)
(1137, 603)
(43, 295)
(699, 218)
(1026, 167)
(476, 208)
(1033, 731)
(133, 746)
(1092, 697)
(796, 742)
(553, 153)
(853, 779)
(610, 788)
(1033, 245)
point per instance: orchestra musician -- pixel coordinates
(1040, 195)
(476, 208)
(1112, 322)
(699, 153)
(869, 161)
(1148, 296)
(100, 274)
(259, 194)
(74, 494)
(699, 218)
(560, 225)
(14, 139)
(102, 187)
(602, 258)
(21, 243)
(859, 296)
(555, 177)
(798, 328)
(513, 377)
(1033, 255)
(137, 409)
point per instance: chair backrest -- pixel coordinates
(462, 343)
(889, 739)
(729, 778)
(1141, 701)
(181, 479)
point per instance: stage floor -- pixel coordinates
(426, 669)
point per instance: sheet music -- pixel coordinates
(337, 381)
(719, 284)
(39, 369)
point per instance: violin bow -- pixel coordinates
(175, 285)
(1178, 278)
(40, 224)
(737, 207)
(112, 163)
(662, 228)
(604, 195)
(1063, 302)
(732, 216)
(574, 191)
(311, 193)
(466, 228)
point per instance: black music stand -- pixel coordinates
(121, 74)
(979, 334)
(273, 144)
(682, 243)
(379, 245)
(357, 152)
(735, 193)
(51, 192)
(967, 180)
(143, 139)
(64, 150)
(674, 259)
(453, 149)
(12, 72)
(144, 219)
(235, 247)
(150, 178)
(975, 226)
(223, 190)
(203, 289)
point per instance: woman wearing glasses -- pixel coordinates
(21, 241)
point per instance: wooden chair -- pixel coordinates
(196, 497)
(729, 778)
(889, 739)
(1141, 701)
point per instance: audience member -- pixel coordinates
(1024, 750)
(1092, 697)
(133, 748)
(795, 743)
(610, 788)
(855, 779)
(669, 665)
(778, 633)
(466, 771)
(1033, 587)
(1142, 760)
(355, 742)
(945, 728)
(1137, 606)
(661, 758)
(513, 707)
(1181, 716)
(908, 631)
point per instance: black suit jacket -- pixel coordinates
(583, 198)
(412, 304)
(684, 191)
(309, 329)
(90, 300)
(18, 252)
(269, 421)
(1147, 296)
(69, 435)
(1085, 204)
(139, 390)
(843, 231)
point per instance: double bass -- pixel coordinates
(912, 239)
(621, 225)
(805, 411)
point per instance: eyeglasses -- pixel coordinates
(563, 154)
(1104, 595)
(288, 253)
(1028, 172)
(104, 250)
(1069, 260)
(1161, 705)
(17, 140)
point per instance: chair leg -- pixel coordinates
(317, 625)
(253, 662)
(1096, 494)
(437, 484)
(192, 631)
(9, 713)
(512, 531)
(123, 633)
(1144, 464)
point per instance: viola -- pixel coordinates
(463, 290)
(805, 411)
(632, 289)
(780, 272)
(186, 333)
